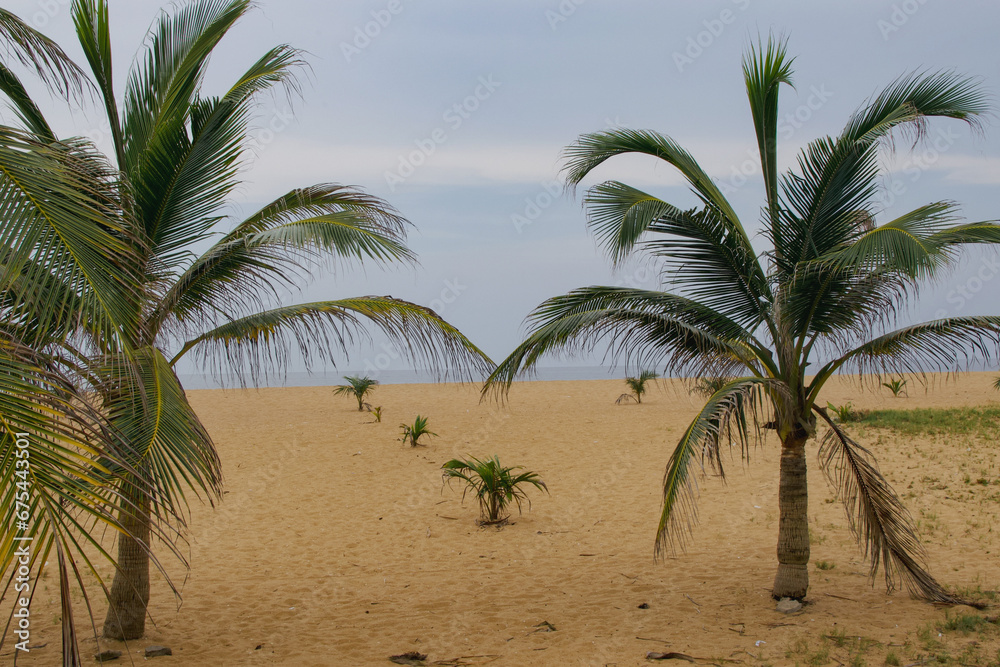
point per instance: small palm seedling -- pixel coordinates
(413, 432)
(637, 386)
(844, 413)
(495, 486)
(896, 386)
(996, 385)
(359, 387)
(376, 413)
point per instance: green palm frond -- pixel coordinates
(49, 62)
(942, 345)
(64, 488)
(718, 268)
(712, 265)
(27, 111)
(875, 515)
(275, 246)
(911, 99)
(912, 245)
(164, 435)
(62, 225)
(731, 413)
(188, 178)
(646, 327)
(93, 30)
(258, 344)
(765, 69)
(619, 215)
(160, 90)
(589, 151)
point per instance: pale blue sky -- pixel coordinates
(495, 235)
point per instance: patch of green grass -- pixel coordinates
(825, 565)
(980, 422)
(892, 659)
(964, 623)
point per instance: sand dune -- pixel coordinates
(335, 545)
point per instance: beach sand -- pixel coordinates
(336, 545)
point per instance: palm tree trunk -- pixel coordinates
(129, 597)
(792, 579)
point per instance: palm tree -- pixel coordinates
(637, 386)
(821, 298)
(359, 387)
(178, 152)
(67, 270)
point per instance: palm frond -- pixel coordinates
(942, 345)
(164, 435)
(25, 108)
(186, 179)
(93, 30)
(59, 463)
(733, 413)
(276, 246)
(591, 150)
(160, 90)
(875, 515)
(50, 63)
(911, 99)
(259, 344)
(764, 70)
(646, 328)
(61, 223)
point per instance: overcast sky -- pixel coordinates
(456, 113)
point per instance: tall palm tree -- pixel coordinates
(823, 297)
(67, 273)
(177, 153)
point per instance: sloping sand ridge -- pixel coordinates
(335, 545)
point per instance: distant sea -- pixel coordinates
(335, 377)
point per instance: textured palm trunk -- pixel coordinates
(126, 617)
(792, 579)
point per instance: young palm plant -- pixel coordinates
(496, 486)
(359, 387)
(413, 432)
(897, 386)
(822, 298)
(178, 153)
(637, 386)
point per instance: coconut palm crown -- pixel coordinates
(824, 297)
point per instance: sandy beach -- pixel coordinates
(336, 545)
